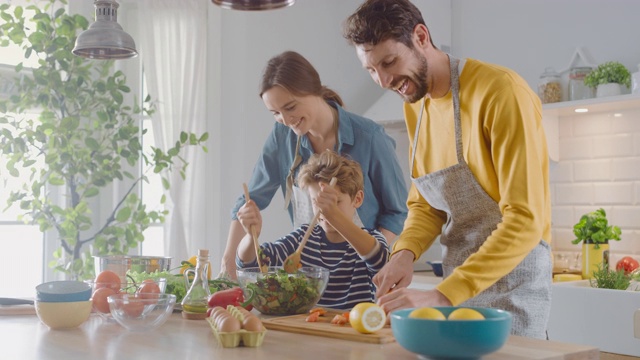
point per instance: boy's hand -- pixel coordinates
(249, 215)
(327, 199)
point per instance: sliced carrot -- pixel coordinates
(318, 310)
(313, 317)
(339, 320)
(346, 315)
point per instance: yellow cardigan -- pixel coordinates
(505, 146)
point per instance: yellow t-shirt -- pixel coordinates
(505, 147)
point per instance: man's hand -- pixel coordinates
(395, 274)
(410, 298)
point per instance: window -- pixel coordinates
(24, 256)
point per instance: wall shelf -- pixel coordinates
(595, 105)
(551, 114)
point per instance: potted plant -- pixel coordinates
(83, 136)
(594, 232)
(607, 78)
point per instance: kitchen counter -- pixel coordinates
(25, 337)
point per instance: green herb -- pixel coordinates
(603, 278)
(609, 72)
(595, 227)
(282, 293)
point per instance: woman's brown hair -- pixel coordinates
(293, 72)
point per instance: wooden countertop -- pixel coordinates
(25, 337)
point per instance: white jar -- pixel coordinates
(635, 82)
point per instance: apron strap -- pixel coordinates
(455, 92)
(290, 178)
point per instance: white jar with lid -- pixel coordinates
(635, 81)
(549, 88)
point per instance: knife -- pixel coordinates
(12, 301)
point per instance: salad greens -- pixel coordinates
(176, 284)
(282, 293)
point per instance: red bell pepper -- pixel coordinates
(233, 296)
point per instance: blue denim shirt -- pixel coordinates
(360, 139)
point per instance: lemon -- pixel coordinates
(367, 318)
(465, 314)
(192, 260)
(427, 313)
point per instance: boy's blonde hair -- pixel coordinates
(329, 164)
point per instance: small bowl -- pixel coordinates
(436, 266)
(270, 298)
(100, 303)
(452, 339)
(63, 315)
(141, 314)
(63, 291)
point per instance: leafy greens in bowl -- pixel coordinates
(276, 292)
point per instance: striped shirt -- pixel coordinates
(350, 276)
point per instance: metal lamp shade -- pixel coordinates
(253, 4)
(105, 38)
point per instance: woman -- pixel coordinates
(310, 119)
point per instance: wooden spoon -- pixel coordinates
(254, 235)
(292, 262)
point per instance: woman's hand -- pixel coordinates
(248, 216)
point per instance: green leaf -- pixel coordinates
(92, 143)
(123, 214)
(91, 192)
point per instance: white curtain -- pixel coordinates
(173, 45)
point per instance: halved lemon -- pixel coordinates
(465, 314)
(427, 313)
(367, 317)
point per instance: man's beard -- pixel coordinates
(419, 78)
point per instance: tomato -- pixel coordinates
(148, 290)
(107, 279)
(99, 299)
(133, 308)
(628, 264)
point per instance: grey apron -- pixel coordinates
(472, 215)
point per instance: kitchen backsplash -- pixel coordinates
(599, 167)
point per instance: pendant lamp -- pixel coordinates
(253, 4)
(105, 39)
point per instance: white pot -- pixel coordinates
(610, 89)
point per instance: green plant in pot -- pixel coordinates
(74, 128)
(609, 75)
(594, 232)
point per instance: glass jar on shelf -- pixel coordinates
(577, 89)
(549, 88)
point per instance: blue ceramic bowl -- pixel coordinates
(436, 266)
(452, 339)
(63, 291)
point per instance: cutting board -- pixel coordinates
(323, 327)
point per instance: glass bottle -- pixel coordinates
(196, 299)
(577, 89)
(549, 88)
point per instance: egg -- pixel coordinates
(229, 324)
(252, 323)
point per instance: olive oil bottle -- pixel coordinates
(194, 304)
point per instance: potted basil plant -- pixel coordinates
(607, 78)
(594, 232)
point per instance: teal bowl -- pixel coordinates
(452, 339)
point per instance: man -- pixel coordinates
(479, 168)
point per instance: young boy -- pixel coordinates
(353, 255)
